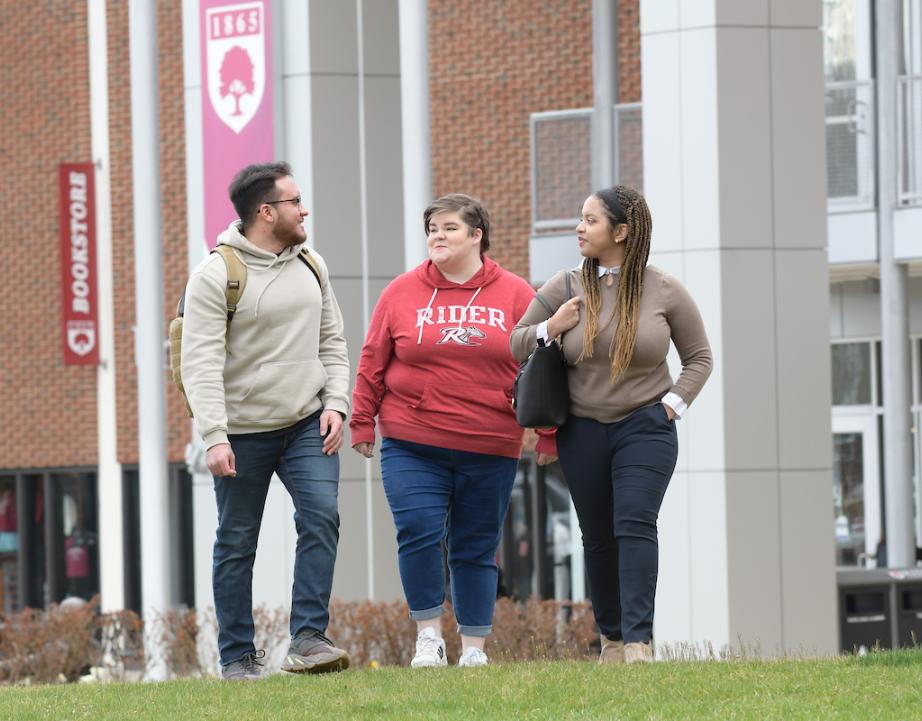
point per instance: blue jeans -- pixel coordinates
(617, 474)
(312, 479)
(437, 492)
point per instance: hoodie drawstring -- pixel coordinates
(266, 286)
(464, 312)
(422, 320)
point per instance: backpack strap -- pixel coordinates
(236, 279)
(305, 257)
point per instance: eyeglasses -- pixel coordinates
(296, 201)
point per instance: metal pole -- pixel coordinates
(605, 91)
(109, 474)
(894, 305)
(149, 332)
(363, 206)
(415, 130)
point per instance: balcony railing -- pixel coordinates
(561, 161)
(850, 143)
(909, 139)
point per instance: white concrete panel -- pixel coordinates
(754, 561)
(204, 525)
(907, 234)
(385, 177)
(333, 37)
(803, 360)
(350, 576)
(700, 150)
(381, 34)
(798, 138)
(296, 48)
(748, 359)
(796, 13)
(337, 233)
(744, 113)
(707, 541)
(861, 309)
(273, 571)
(549, 253)
(852, 237)
(658, 16)
(706, 422)
(672, 623)
(387, 574)
(808, 582)
(662, 136)
(694, 14)
(741, 12)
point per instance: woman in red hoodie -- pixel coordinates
(437, 371)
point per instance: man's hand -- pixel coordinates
(366, 449)
(220, 460)
(331, 430)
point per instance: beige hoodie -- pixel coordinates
(285, 354)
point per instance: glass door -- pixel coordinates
(856, 489)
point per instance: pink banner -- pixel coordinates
(77, 234)
(237, 122)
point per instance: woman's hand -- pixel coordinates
(565, 318)
(670, 414)
(366, 449)
(544, 459)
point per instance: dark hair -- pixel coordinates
(471, 211)
(623, 205)
(253, 186)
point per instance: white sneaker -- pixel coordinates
(473, 656)
(430, 650)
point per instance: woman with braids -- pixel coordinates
(618, 447)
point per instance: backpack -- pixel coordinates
(236, 282)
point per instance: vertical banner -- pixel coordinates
(237, 115)
(77, 201)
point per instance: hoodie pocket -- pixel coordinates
(283, 390)
(481, 410)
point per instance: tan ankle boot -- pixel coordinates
(612, 651)
(638, 653)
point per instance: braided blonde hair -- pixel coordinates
(623, 205)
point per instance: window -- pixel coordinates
(851, 374)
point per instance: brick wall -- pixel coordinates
(492, 65)
(48, 410)
(48, 413)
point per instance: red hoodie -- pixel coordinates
(436, 366)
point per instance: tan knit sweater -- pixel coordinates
(667, 311)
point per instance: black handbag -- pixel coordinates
(541, 394)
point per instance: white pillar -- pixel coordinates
(150, 352)
(894, 304)
(415, 130)
(605, 91)
(734, 169)
(109, 474)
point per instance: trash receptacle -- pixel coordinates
(865, 609)
(908, 589)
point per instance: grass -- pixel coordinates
(883, 685)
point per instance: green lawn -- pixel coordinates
(878, 686)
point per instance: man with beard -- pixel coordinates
(268, 384)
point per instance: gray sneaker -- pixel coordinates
(312, 652)
(247, 668)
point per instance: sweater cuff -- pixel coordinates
(215, 438)
(362, 433)
(334, 404)
(547, 443)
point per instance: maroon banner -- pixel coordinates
(77, 202)
(237, 117)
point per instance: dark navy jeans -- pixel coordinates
(617, 474)
(434, 492)
(312, 479)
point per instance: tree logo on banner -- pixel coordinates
(236, 58)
